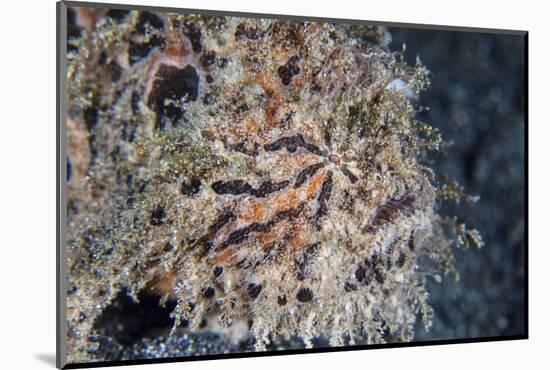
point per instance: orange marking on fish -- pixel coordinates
(293, 197)
(275, 105)
(227, 256)
(296, 243)
(267, 238)
(163, 283)
(314, 184)
(256, 211)
(287, 200)
(176, 46)
(251, 126)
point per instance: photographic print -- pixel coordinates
(244, 184)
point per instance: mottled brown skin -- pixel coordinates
(251, 170)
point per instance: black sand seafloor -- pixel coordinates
(477, 101)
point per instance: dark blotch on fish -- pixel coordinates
(324, 196)
(240, 235)
(389, 210)
(304, 295)
(237, 187)
(352, 178)
(193, 33)
(401, 260)
(172, 84)
(289, 70)
(360, 274)
(191, 187)
(349, 287)
(157, 216)
(138, 49)
(218, 270)
(209, 292)
(254, 290)
(221, 221)
(292, 143)
(234, 187)
(268, 187)
(307, 173)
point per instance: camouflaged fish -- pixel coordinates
(249, 169)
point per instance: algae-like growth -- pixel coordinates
(266, 180)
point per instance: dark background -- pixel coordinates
(476, 100)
